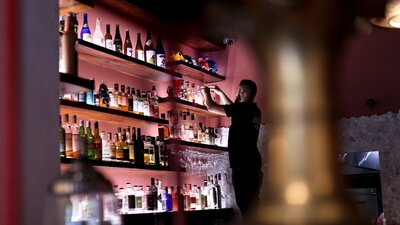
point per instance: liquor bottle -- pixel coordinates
(218, 192)
(157, 155)
(82, 146)
(75, 139)
(139, 148)
(119, 145)
(147, 102)
(75, 24)
(139, 53)
(204, 194)
(152, 150)
(61, 24)
(98, 36)
(140, 101)
(68, 57)
(108, 38)
(135, 102)
(125, 147)
(154, 103)
(128, 202)
(149, 50)
(131, 147)
(85, 31)
(146, 150)
(105, 147)
(160, 53)
(62, 141)
(139, 198)
(89, 95)
(168, 197)
(152, 196)
(98, 144)
(128, 44)
(131, 98)
(68, 136)
(90, 141)
(113, 147)
(117, 40)
(123, 101)
(116, 95)
(174, 198)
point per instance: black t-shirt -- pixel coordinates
(243, 134)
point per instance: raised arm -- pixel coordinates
(225, 100)
(209, 102)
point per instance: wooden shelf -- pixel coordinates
(110, 59)
(177, 145)
(122, 164)
(75, 6)
(174, 102)
(74, 84)
(195, 72)
(104, 114)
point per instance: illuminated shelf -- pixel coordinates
(110, 59)
(104, 114)
(195, 72)
(174, 102)
(74, 84)
(176, 144)
(75, 6)
(122, 164)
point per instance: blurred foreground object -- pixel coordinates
(84, 196)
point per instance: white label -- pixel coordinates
(98, 41)
(109, 44)
(87, 37)
(140, 55)
(151, 56)
(129, 52)
(161, 60)
(135, 106)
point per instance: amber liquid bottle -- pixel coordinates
(149, 50)
(117, 40)
(139, 53)
(68, 58)
(128, 44)
(108, 38)
(97, 142)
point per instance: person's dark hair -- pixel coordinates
(251, 88)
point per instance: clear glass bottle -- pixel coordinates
(124, 99)
(86, 35)
(128, 201)
(108, 41)
(119, 145)
(106, 154)
(90, 141)
(117, 40)
(98, 36)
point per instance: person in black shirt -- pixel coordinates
(244, 157)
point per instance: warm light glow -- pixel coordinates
(297, 193)
(395, 21)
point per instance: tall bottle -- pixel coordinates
(119, 145)
(117, 40)
(139, 148)
(105, 147)
(160, 53)
(113, 147)
(152, 196)
(108, 41)
(86, 35)
(154, 103)
(68, 58)
(68, 136)
(98, 143)
(75, 139)
(90, 141)
(62, 140)
(98, 36)
(139, 53)
(149, 50)
(131, 147)
(128, 44)
(82, 149)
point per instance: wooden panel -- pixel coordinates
(173, 102)
(74, 84)
(122, 63)
(74, 6)
(109, 115)
(194, 72)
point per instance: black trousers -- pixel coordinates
(247, 184)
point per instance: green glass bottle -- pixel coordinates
(91, 149)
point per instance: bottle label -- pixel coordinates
(98, 41)
(131, 152)
(106, 152)
(135, 106)
(118, 48)
(129, 52)
(87, 37)
(161, 60)
(119, 153)
(151, 56)
(140, 55)
(109, 44)
(131, 201)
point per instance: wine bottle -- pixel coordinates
(98, 37)
(127, 44)
(68, 58)
(117, 40)
(86, 35)
(139, 53)
(108, 38)
(160, 53)
(149, 50)
(62, 141)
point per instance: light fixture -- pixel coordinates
(392, 16)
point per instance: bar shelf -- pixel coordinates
(75, 6)
(104, 114)
(178, 144)
(123, 164)
(194, 72)
(131, 66)
(175, 102)
(74, 84)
